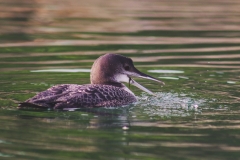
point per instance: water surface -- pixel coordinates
(192, 46)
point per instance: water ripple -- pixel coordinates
(62, 70)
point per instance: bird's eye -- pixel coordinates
(127, 68)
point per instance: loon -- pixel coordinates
(106, 88)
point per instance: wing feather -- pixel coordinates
(78, 96)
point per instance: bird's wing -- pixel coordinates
(95, 96)
(79, 96)
(48, 97)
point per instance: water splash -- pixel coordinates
(169, 104)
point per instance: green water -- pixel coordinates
(194, 116)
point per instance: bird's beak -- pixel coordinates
(137, 73)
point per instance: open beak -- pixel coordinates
(137, 73)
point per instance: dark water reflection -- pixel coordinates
(192, 46)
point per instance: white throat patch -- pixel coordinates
(122, 78)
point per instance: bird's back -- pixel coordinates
(80, 96)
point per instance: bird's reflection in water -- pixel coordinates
(92, 117)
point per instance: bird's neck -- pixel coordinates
(112, 83)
